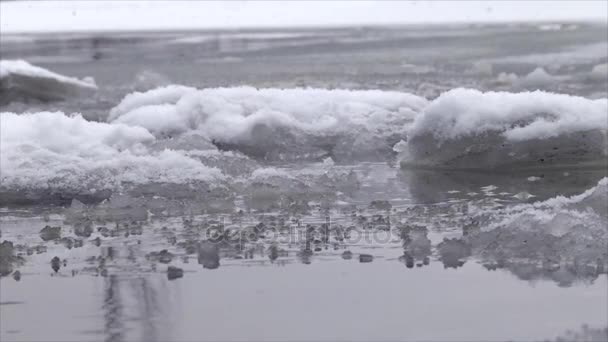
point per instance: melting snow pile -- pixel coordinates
(468, 129)
(51, 155)
(277, 124)
(20, 80)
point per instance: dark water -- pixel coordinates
(397, 255)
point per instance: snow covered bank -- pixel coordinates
(278, 124)
(46, 155)
(20, 80)
(468, 129)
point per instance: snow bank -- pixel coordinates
(277, 123)
(468, 129)
(21, 80)
(51, 154)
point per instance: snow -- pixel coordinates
(189, 137)
(263, 121)
(72, 16)
(163, 95)
(466, 128)
(52, 152)
(21, 67)
(519, 116)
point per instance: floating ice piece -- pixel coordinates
(277, 123)
(468, 129)
(537, 79)
(600, 72)
(54, 155)
(488, 188)
(159, 96)
(20, 80)
(523, 195)
(506, 78)
(482, 68)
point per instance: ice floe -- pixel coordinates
(54, 155)
(20, 80)
(468, 129)
(277, 124)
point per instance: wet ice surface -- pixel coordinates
(229, 244)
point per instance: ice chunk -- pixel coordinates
(482, 68)
(506, 78)
(159, 96)
(537, 79)
(20, 80)
(469, 129)
(51, 154)
(600, 72)
(148, 79)
(277, 123)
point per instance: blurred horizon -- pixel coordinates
(19, 17)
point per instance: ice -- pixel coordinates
(600, 72)
(148, 79)
(576, 54)
(506, 78)
(468, 129)
(537, 79)
(158, 96)
(482, 68)
(20, 80)
(51, 154)
(277, 124)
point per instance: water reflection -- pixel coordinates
(427, 186)
(560, 242)
(416, 246)
(112, 310)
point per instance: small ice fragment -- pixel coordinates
(400, 146)
(328, 161)
(488, 188)
(523, 195)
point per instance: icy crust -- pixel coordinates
(21, 67)
(53, 155)
(21, 80)
(468, 129)
(277, 124)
